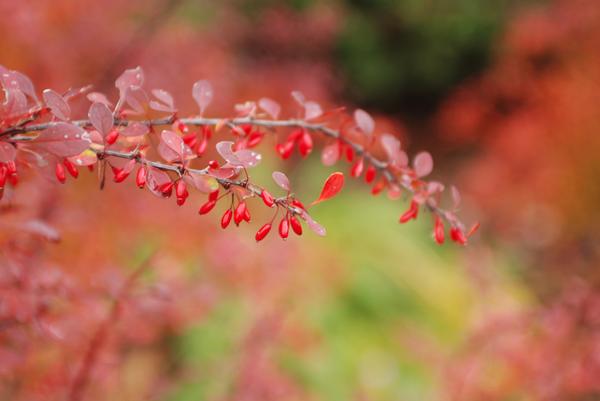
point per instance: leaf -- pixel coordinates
(330, 154)
(58, 106)
(245, 109)
(63, 139)
(40, 228)
(423, 164)
(225, 149)
(101, 118)
(137, 99)
(97, 97)
(312, 224)
(133, 77)
(281, 179)
(86, 158)
(154, 179)
(299, 97)
(333, 185)
(312, 110)
(135, 129)
(364, 121)
(270, 106)
(202, 182)
(172, 148)
(247, 158)
(224, 172)
(7, 152)
(456, 198)
(202, 92)
(165, 103)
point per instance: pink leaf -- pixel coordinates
(364, 121)
(223, 172)
(423, 164)
(166, 101)
(333, 185)
(25, 84)
(7, 152)
(245, 109)
(172, 147)
(456, 198)
(330, 154)
(203, 183)
(312, 110)
(247, 158)
(202, 92)
(40, 228)
(281, 179)
(63, 139)
(391, 146)
(133, 77)
(299, 97)
(137, 99)
(101, 118)
(225, 149)
(270, 106)
(312, 224)
(135, 129)
(58, 106)
(97, 97)
(85, 158)
(155, 179)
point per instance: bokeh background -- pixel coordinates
(506, 96)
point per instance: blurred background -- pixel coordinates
(506, 96)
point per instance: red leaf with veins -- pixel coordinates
(331, 188)
(281, 179)
(63, 140)
(364, 121)
(202, 92)
(101, 118)
(423, 164)
(58, 106)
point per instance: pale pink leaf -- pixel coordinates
(312, 110)
(58, 106)
(299, 97)
(172, 147)
(203, 93)
(165, 102)
(133, 77)
(456, 198)
(281, 179)
(312, 224)
(101, 118)
(86, 158)
(97, 97)
(246, 158)
(202, 182)
(63, 139)
(223, 172)
(40, 228)
(137, 99)
(364, 121)
(271, 107)
(423, 164)
(245, 109)
(225, 149)
(7, 152)
(135, 129)
(330, 154)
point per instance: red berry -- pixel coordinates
(112, 137)
(120, 175)
(181, 192)
(349, 154)
(299, 204)
(411, 213)
(226, 219)
(357, 168)
(254, 139)
(262, 232)
(247, 215)
(213, 164)
(3, 175)
(284, 228)
(296, 226)
(207, 207)
(377, 188)
(267, 198)
(285, 150)
(166, 189)
(458, 236)
(140, 177)
(71, 168)
(370, 174)
(60, 173)
(239, 213)
(438, 230)
(11, 167)
(214, 195)
(305, 144)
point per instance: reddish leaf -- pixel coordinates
(133, 77)
(331, 188)
(312, 110)
(97, 97)
(281, 179)
(270, 106)
(7, 152)
(203, 183)
(312, 224)
(172, 147)
(247, 158)
(364, 121)
(135, 129)
(58, 106)
(101, 118)
(63, 140)
(202, 92)
(456, 198)
(137, 99)
(330, 154)
(423, 164)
